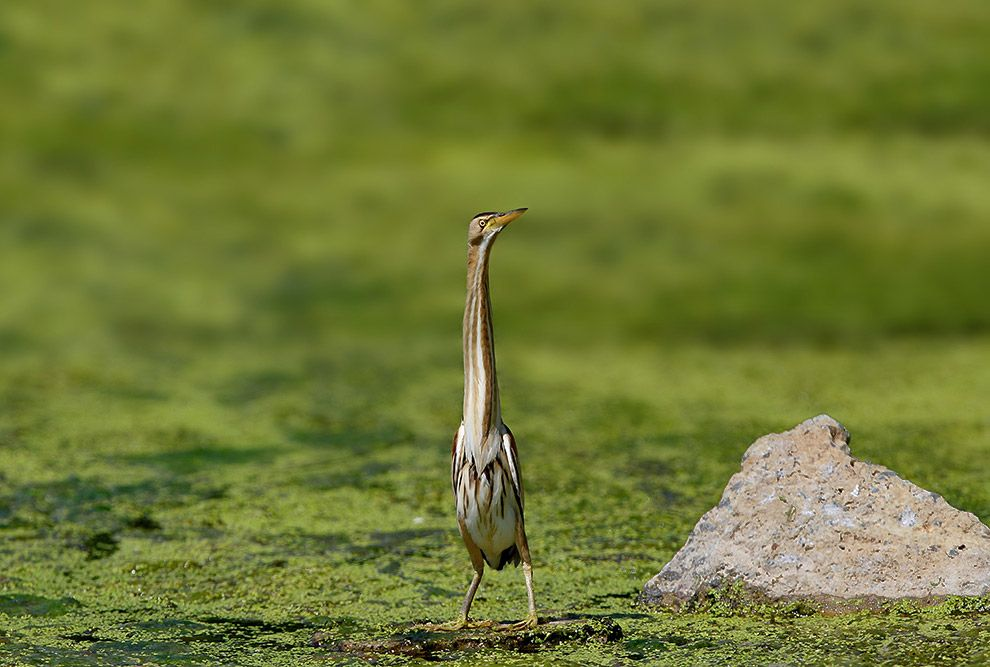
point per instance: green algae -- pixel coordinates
(36, 605)
(245, 560)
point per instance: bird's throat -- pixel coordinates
(482, 410)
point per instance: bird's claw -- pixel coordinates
(529, 623)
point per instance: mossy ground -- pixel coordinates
(231, 252)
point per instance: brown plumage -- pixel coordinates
(485, 472)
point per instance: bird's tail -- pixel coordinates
(510, 555)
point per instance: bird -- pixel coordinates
(485, 473)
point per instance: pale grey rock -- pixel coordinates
(803, 519)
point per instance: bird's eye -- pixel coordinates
(482, 223)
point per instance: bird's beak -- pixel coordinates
(502, 219)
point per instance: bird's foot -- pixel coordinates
(529, 623)
(454, 626)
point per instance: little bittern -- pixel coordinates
(485, 466)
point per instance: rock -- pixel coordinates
(805, 521)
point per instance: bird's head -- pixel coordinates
(488, 224)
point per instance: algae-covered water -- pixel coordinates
(229, 522)
(231, 259)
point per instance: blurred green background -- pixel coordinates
(232, 255)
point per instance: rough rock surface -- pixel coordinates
(803, 519)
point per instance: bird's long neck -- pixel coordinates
(482, 410)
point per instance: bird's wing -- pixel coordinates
(512, 457)
(456, 452)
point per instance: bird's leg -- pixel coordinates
(469, 599)
(528, 574)
(463, 622)
(531, 619)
